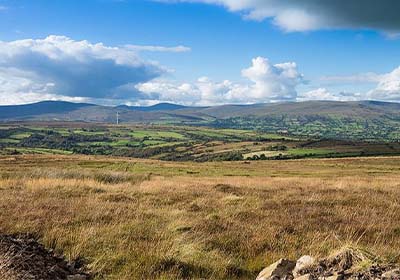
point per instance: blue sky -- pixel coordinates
(240, 51)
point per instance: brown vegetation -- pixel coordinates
(138, 219)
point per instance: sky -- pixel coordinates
(198, 52)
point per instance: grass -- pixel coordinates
(140, 134)
(302, 152)
(19, 136)
(147, 219)
(40, 151)
(178, 143)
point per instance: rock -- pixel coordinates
(391, 274)
(282, 269)
(332, 277)
(302, 264)
(304, 277)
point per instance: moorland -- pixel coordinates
(130, 218)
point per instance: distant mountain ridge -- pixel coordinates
(44, 107)
(368, 119)
(156, 107)
(62, 110)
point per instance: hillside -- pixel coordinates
(366, 120)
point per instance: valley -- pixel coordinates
(355, 121)
(176, 143)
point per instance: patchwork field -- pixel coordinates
(150, 219)
(176, 143)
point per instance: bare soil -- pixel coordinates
(23, 257)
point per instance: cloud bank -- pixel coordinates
(61, 66)
(387, 87)
(306, 15)
(266, 82)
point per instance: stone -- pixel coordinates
(391, 274)
(304, 277)
(333, 277)
(303, 263)
(282, 269)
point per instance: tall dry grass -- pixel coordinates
(128, 225)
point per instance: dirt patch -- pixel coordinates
(23, 257)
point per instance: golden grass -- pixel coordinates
(137, 219)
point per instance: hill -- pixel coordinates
(156, 107)
(42, 108)
(366, 120)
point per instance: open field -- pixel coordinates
(150, 219)
(176, 143)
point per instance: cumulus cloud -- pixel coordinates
(266, 83)
(273, 82)
(388, 87)
(60, 66)
(305, 15)
(18, 87)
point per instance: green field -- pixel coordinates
(176, 143)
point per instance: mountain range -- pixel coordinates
(360, 119)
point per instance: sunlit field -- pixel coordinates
(143, 219)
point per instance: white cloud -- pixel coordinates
(59, 68)
(139, 48)
(167, 91)
(72, 68)
(266, 83)
(324, 94)
(18, 87)
(273, 82)
(369, 77)
(305, 15)
(388, 87)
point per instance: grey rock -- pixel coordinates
(282, 269)
(391, 274)
(303, 263)
(304, 277)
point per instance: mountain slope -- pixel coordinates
(46, 107)
(367, 120)
(157, 107)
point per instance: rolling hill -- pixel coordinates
(367, 120)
